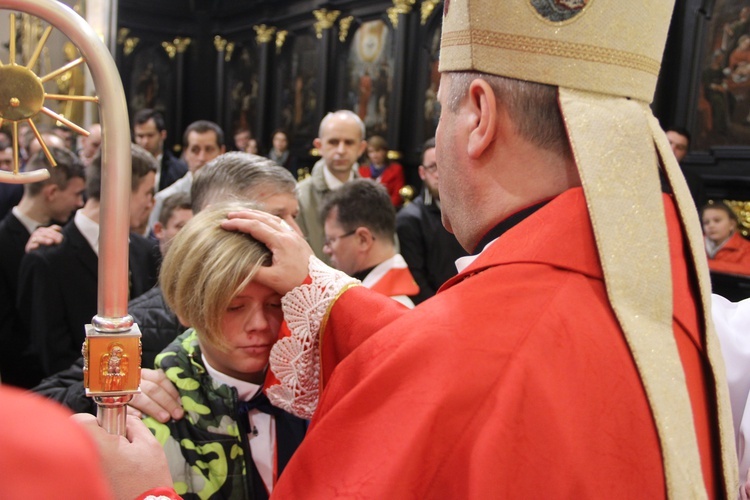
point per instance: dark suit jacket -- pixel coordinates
(10, 196)
(172, 168)
(17, 366)
(57, 293)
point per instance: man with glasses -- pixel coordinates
(359, 223)
(429, 249)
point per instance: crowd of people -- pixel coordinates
(317, 337)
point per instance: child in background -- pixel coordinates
(727, 250)
(382, 170)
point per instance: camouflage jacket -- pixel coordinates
(206, 450)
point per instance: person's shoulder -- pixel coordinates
(13, 229)
(181, 185)
(170, 158)
(71, 236)
(411, 211)
(742, 241)
(142, 244)
(179, 353)
(142, 240)
(153, 296)
(145, 247)
(8, 220)
(305, 188)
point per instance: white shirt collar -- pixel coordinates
(464, 262)
(29, 223)
(245, 390)
(263, 434)
(89, 229)
(158, 170)
(332, 181)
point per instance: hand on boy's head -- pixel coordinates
(158, 399)
(291, 253)
(133, 464)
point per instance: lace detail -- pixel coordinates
(295, 360)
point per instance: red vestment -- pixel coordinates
(514, 381)
(43, 454)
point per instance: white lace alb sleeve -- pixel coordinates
(295, 360)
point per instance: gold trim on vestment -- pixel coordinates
(558, 48)
(694, 235)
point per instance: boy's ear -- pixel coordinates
(182, 321)
(158, 230)
(50, 190)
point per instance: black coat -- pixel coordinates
(17, 366)
(57, 293)
(428, 248)
(172, 168)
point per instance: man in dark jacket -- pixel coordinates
(428, 248)
(150, 132)
(45, 202)
(61, 280)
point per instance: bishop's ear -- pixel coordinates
(483, 115)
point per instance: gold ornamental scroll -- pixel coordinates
(112, 333)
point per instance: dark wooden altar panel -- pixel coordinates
(289, 83)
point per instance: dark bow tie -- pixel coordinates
(261, 403)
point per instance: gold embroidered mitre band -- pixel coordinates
(605, 55)
(608, 46)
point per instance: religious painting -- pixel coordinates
(370, 69)
(298, 71)
(722, 114)
(242, 88)
(152, 81)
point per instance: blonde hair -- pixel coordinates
(206, 267)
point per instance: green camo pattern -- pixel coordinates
(204, 450)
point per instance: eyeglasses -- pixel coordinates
(430, 168)
(330, 241)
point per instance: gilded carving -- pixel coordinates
(280, 39)
(263, 33)
(170, 49)
(114, 366)
(742, 209)
(393, 17)
(344, 24)
(130, 44)
(325, 20)
(220, 43)
(427, 8)
(182, 44)
(122, 34)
